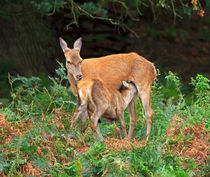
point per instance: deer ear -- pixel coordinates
(63, 44)
(78, 44)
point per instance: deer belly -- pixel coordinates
(111, 113)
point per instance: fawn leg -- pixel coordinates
(94, 121)
(84, 116)
(122, 122)
(117, 130)
(133, 117)
(80, 109)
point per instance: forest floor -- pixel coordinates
(196, 147)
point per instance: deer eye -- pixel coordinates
(68, 62)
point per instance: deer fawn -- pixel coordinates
(112, 70)
(100, 100)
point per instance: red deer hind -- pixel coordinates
(112, 70)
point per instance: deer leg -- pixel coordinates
(84, 116)
(133, 117)
(80, 110)
(145, 98)
(117, 130)
(122, 122)
(94, 122)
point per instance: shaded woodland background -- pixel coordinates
(175, 34)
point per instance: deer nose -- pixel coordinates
(79, 77)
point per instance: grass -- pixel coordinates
(36, 139)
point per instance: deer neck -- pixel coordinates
(73, 83)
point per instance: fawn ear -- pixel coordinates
(63, 44)
(78, 44)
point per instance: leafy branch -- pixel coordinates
(117, 12)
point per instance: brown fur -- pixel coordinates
(101, 100)
(112, 70)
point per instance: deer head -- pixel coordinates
(73, 59)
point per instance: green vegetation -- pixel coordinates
(36, 139)
(103, 10)
(119, 13)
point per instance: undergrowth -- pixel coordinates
(36, 139)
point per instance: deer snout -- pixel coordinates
(79, 77)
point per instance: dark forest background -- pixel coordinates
(174, 34)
